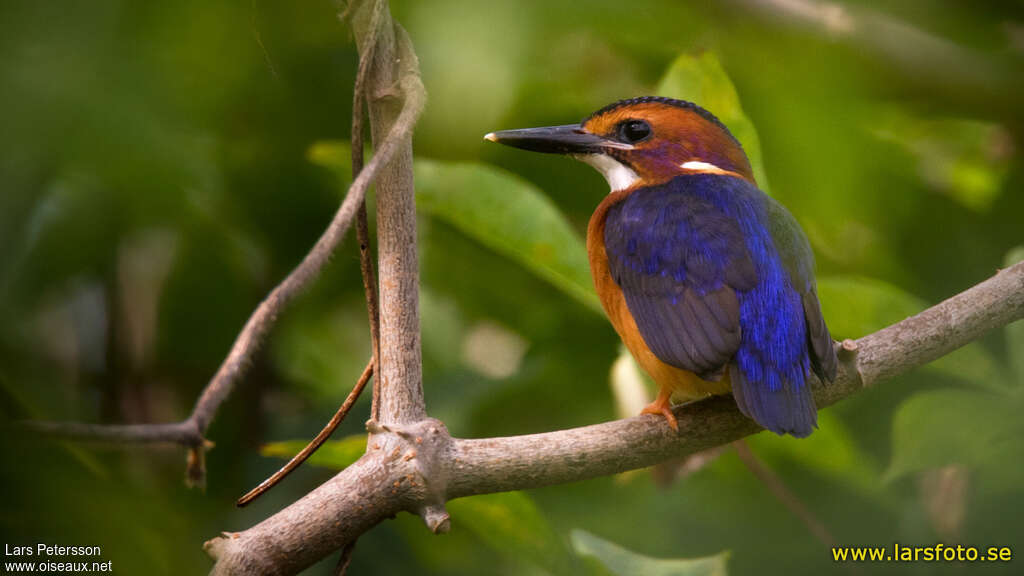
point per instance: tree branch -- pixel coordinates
(394, 143)
(394, 65)
(399, 393)
(184, 432)
(541, 459)
(408, 467)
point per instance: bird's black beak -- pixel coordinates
(568, 139)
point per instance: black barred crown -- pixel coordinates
(663, 100)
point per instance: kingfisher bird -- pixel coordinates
(708, 280)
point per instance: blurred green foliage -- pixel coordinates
(622, 562)
(163, 166)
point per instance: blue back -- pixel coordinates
(718, 276)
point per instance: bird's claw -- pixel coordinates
(664, 409)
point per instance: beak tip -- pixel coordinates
(567, 139)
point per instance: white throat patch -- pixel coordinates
(618, 175)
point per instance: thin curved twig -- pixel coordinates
(362, 226)
(314, 444)
(345, 559)
(783, 494)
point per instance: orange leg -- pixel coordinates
(663, 405)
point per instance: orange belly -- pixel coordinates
(685, 384)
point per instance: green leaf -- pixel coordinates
(334, 454)
(856, 306)
(702, 80)
(953, 426)
(510, 216)
(1015, 331)
(496, 208)
(623, 562)
(511, 524)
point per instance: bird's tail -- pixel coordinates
(787, 409)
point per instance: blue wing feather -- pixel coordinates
(718, 276)
(678, 260)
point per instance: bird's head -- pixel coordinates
(640, 141)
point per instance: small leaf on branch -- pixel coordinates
(334, 454)
(623, 562)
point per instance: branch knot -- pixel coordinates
(418, 452)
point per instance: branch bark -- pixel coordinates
(410, 466)
(396, 96)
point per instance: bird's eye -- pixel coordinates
(633, 131)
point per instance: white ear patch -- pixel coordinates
(700, 166)
(618, 175)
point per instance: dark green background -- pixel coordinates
(155, 185)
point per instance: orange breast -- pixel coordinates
(684, 383)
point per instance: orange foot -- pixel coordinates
(663, 405)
